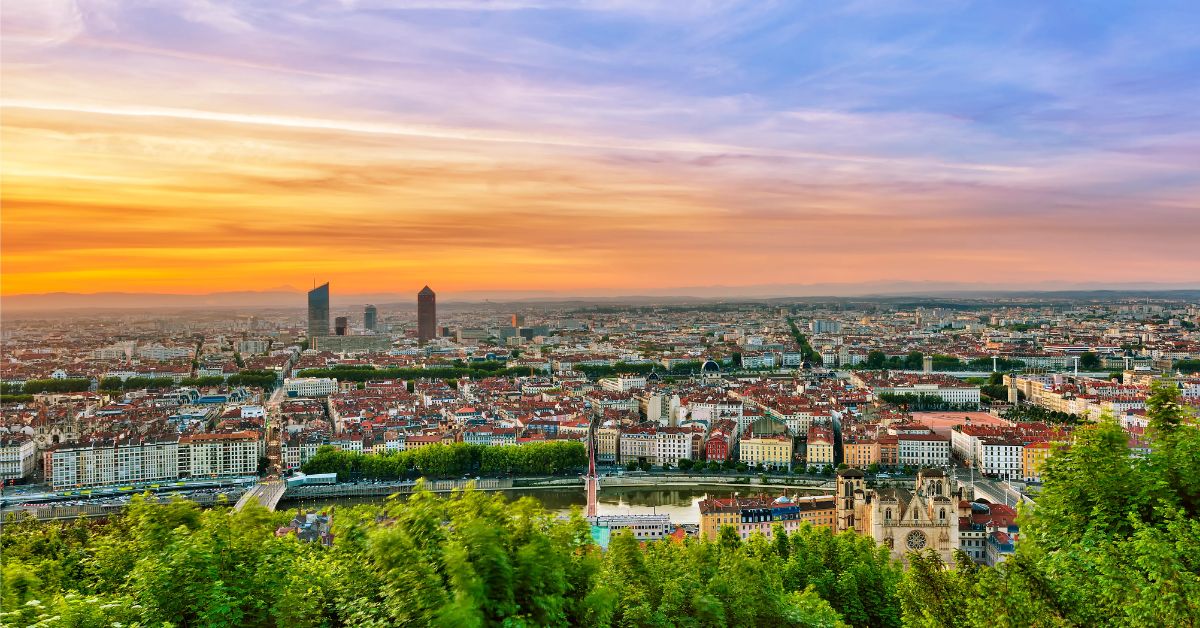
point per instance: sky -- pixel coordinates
(596, 146)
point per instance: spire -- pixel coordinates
(592, 479)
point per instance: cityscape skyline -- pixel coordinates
(286, 297)
(596, 147)
(879, 313)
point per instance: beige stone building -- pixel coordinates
(775, 450)
(820, 446)
(608, 442)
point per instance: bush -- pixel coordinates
(35, 386)
(451, 460)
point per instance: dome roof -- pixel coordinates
(710, 367)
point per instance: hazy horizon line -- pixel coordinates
(288, 296)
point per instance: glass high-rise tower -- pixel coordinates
(318, 312)
(370, 317)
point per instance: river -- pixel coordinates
(682, 504)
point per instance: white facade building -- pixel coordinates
(758, 361)
(1001, 457)
(220, 454)
(348, 444)
(672, 445)
(624, 383)
(163, 353)
(991, 455)
(923, 450)
(643, 527)
(662, 409)
(118, 351)
(310, 386)
(953, 394)
(114, 462)
(18, 456)
(253, 412)
(253, 347)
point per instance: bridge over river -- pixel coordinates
(266, 493)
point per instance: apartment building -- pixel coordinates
(220, 454)
(944, 387)
(18, 456)
(1033, 456)
(672, 444)
(114, 460)
(859, 451)
(1000, 451)
(819, 450)
(298, 449)
(721, 440)
(639, 444)
(310, 386)
(922, 447)
(608, 445)
(993, 454)
(623, 383)
(772, 450)
(748, 515)
(643, 527)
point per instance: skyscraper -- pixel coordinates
(318, 312)
(426, 315)
(340, 325)
(518, 320)
(370, 314)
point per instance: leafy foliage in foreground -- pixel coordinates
(472, 560)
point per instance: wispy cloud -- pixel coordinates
(583, 143)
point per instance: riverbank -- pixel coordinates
(567, 490)
(679, 502)
(648, 480)
(57, 511)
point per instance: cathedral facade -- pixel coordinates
(917, 519)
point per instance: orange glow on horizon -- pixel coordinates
(235, 159)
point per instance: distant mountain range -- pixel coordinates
(284, 298)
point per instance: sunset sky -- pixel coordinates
(189, 146)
